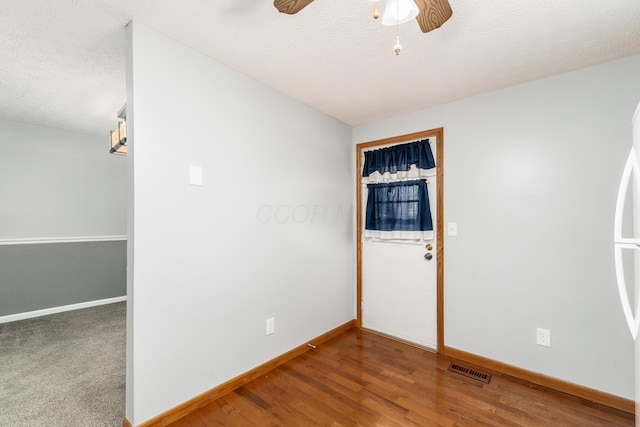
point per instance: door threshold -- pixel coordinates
(400, 340)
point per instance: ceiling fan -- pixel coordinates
(432, 13)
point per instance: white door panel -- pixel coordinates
(399, 292)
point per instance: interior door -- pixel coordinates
(399, 292)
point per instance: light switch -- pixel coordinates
(271, 325)
(452, 229)
(195, 175)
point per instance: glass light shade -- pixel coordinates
(122, 130)
(118, 139)
(122, 149)
(115, 138)
(399, 12)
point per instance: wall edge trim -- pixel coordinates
(596, 396)
(60, 309)
(75, 239)
(183, 409)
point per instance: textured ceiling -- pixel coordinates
(62, 62)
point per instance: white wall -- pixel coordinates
(268, 234)
(531, 175)
(58, 183)
(62, 186)
(636, 219)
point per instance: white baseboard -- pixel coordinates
(54, 310)
(44, 240)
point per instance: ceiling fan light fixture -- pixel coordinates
(399, 11)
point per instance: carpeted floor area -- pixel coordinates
(65, 370)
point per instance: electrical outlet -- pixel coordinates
(543, 337)
(271, 325)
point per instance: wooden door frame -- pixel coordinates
(438, 133)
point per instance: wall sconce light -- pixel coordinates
(118, 137)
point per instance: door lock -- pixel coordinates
(428, 246)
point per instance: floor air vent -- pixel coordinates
(468, 372)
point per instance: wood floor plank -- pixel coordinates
(364, 379)
(322, 394)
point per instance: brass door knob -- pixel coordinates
(428, 256)
(429, 247)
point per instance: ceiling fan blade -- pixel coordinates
(291, 7)
(433, 13)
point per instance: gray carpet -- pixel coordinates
(65, 369)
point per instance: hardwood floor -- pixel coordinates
(363, 379)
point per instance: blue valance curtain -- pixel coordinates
(397, 207)
(412, 160)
